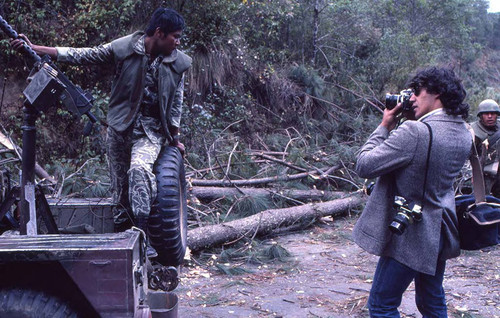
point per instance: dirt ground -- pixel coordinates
(330, 276)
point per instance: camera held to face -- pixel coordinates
(391, 100)
(407, 212)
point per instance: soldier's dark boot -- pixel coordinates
(142, 223)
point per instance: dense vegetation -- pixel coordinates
(302, 77)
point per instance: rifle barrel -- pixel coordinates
(76, 100)
(11, 33)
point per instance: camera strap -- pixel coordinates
(427, 163)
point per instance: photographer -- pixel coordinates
(406, 168)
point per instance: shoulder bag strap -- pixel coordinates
(492, 140)
(477, 172)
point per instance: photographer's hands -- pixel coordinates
(391, 117)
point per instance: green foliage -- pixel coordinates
(89, 180)
(268, 22)
(241, 258)
(233, 208)
(209, 22)
(247, 206)
(494, 41)
(102, 21)
(309, 79)
(274, 252)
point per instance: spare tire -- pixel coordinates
(26, 303)
(167, 225)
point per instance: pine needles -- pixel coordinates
(244, 257)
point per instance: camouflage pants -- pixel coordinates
(131, 156)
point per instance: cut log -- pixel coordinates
(213, 193)
(266, 221)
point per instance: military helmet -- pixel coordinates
(488, 106)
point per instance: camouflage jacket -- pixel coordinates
(129, 81)
(487, 144)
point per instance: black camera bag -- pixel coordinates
(478, 223)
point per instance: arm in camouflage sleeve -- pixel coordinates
(176, 110)
(101, 54)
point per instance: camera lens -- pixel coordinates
(391, 100)
(399, 223)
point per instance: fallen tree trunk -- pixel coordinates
(213, 193)
(266, 221)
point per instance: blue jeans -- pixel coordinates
(391, 280)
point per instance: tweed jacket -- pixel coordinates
(128, 83)
(398, 159)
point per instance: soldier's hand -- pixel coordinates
(18, 44)
(182, 149)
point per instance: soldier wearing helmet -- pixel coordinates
(487, 137)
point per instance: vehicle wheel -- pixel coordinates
(168, 218)
(26, 303)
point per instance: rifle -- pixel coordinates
(48, 83)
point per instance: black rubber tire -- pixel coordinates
(27, 303)
(167, 225)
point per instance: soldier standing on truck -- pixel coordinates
(487, 142)
(144, 107)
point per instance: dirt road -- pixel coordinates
(330, 276)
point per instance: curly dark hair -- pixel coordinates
(442, 81)
(168, 20)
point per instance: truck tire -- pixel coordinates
(167, 225)
(26, 303)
